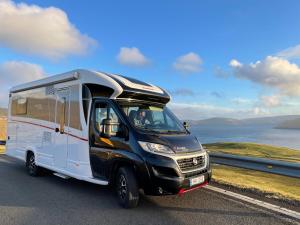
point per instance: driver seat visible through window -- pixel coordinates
(132, 115)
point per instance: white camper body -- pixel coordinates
(46, 117)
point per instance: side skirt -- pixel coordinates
(84, 178)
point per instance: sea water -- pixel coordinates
(256, 134)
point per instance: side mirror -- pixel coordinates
(107, 125)
(186, 125)
(111, 128)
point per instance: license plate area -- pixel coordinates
(196, 180)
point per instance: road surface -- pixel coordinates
(52, 200)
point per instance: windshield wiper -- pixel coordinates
(176, 131)
(148, 129)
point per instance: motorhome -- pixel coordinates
(106, 129)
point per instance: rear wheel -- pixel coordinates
(127, 188)
(32, 168)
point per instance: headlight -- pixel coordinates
(206, 157)
(156, 148)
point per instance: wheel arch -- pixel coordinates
(117, 164)
(133, 161)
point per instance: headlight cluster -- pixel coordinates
(156, 148)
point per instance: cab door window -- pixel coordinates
(102, 112)
(100, 115)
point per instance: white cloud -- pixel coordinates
(194, 111)
(235, 63)
(260, 111)
(188, 63)
(46, 32)
(132, 57)
(16, 72)
(290, 53)
(271, 101)
(273, 72)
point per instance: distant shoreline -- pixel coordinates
(287, 128)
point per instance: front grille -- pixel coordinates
(195, 173)
(192, 163)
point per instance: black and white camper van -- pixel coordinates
(105, 129)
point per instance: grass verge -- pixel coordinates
(272, 185)
(255, 150)
(2, 149)
(3, 127)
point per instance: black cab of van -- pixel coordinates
(137, 143)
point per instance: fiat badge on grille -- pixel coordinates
(195, 161)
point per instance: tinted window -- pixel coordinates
(75, 108)
(21, 106)
(40, 104)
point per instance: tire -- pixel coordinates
(127, 188)
(32, 168)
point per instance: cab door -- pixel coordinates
(103, 149)
(62, 128)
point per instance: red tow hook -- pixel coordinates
(182, 190)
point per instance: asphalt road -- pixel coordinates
(52, 200)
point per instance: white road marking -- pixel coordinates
(263, 204)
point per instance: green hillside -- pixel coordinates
(255, 150)
(3, 112)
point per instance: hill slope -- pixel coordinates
(216, 121)
(3, 123)
(3, 112)
(273, 121)
(289, 124)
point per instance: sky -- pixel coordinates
(235, 59)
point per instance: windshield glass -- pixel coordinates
(151, 117)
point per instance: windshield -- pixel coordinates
(151, 117)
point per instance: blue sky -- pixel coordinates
(200, 51)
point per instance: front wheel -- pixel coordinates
(32, 168)
(127, 188)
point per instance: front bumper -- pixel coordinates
(165, 177)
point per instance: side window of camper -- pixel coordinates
(21, 106)
(104, 111)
